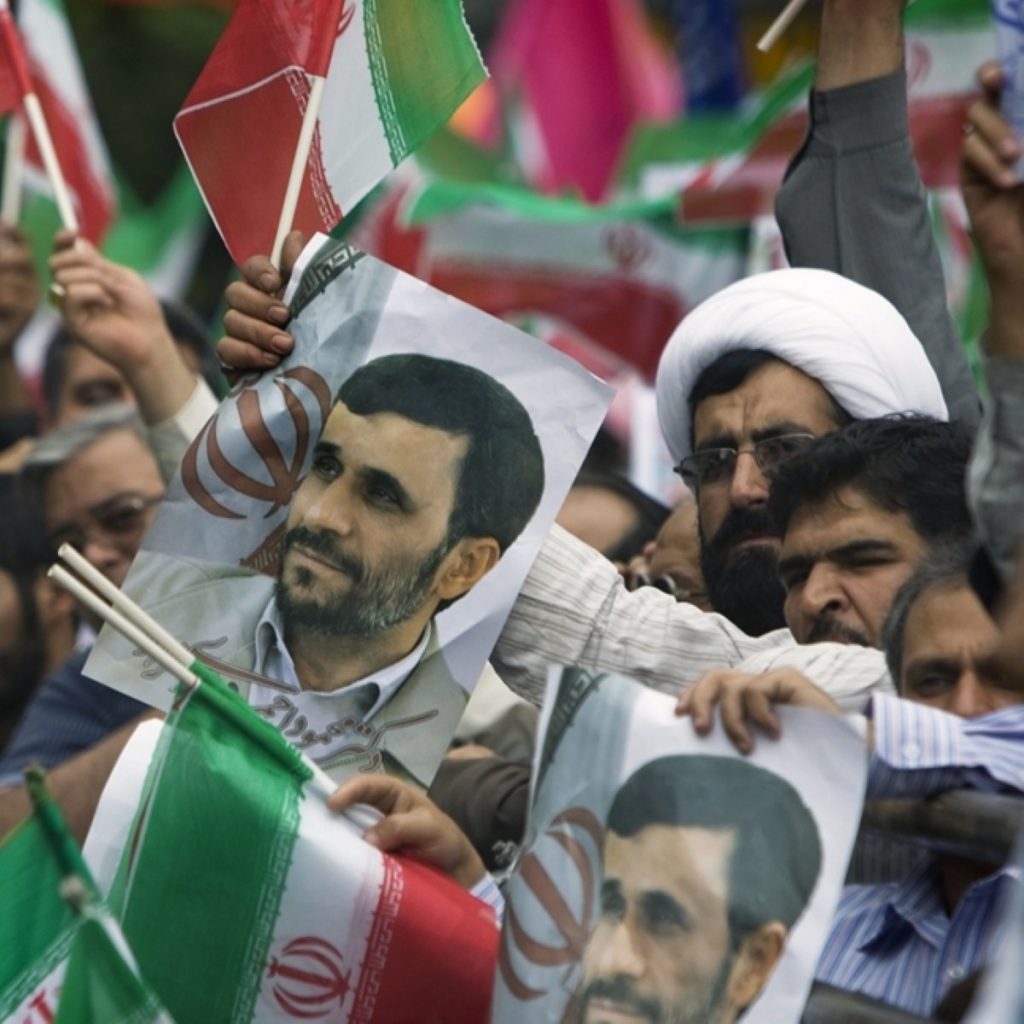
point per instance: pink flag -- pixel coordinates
(581, 73)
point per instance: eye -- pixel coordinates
(613, 906)
(384, 497)
(792, 580)
(327, 467)
(664, 916)
(930, 684)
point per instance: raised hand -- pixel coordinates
(254, 325)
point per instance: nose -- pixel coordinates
(620, 956)
(106, 556)
(749, 485)
(821, 593)
(331, 509)
(970, 698)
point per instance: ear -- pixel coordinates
(53, 603)
(758, 954)
(465, 565)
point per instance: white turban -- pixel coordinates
(842, 334)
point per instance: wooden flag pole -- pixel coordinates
(13, 159)
(780, 24)
(298, 171)
(36, 119)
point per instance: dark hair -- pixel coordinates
(650, 513)
(903, 463)
(24, 552)
(729, 371)
(501, 478)
(777, 857)
(182, 323)
(945, 568)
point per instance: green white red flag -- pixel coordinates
(271, 907)
(727, 168)
(62, 956)
(55, 75)
(393, 72)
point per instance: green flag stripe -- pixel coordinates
(423, 63)
(212, 734)
(36, 925)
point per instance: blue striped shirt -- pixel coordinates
(896, 942)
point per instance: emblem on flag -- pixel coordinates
(311, 982)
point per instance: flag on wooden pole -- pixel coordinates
(371, 79)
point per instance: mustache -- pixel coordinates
(619, 990)
(827, 628)
(320, 543)
(741, 524)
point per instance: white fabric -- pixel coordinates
(844, 335)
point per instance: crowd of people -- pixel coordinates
(848, 540)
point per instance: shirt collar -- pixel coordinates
(273, 659)
(918, 903)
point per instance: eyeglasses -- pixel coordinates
(120, 520)
(712, 466)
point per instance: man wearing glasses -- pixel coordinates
(97, 486)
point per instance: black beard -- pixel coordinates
(376, 600)
(744, 585)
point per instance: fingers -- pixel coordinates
(252, 328)
(991, 149)
(732, 711)
(990, 78)
(700, 699)
(418, 829)
(387, 794)
(260, 273)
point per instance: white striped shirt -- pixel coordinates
(574, 609)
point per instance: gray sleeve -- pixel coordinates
(853, 202)
(995, 481)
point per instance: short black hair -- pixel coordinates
(650, 513)
(942, 569)
(904, 463)
(777, 857)
(730, 370)
(184, 326)
(501, 479)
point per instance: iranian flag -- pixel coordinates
(369, 80)
(727, 168)
(62, 955)
(57, 81)
(245, 899)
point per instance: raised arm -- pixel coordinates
(853, 201)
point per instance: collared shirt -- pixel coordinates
(897, 943)
(362, 698)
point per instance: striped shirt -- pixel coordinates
(897, 943)
(574, 609)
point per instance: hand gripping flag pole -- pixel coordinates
(34, 114)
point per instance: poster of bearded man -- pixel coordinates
(327, 527)
(666, 878)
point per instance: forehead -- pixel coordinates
(843, 518)
(425, 460)
(775, 393)
(690, 864)
(947, 623)
(116, 463)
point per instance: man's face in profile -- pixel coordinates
(661, 952)
(368, 529)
